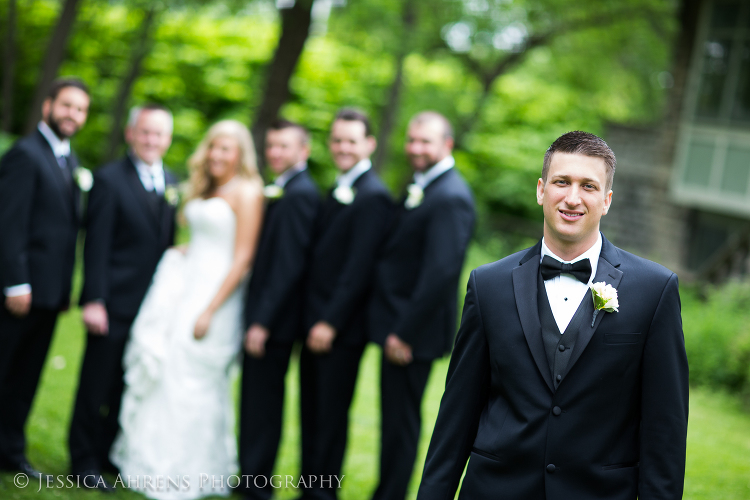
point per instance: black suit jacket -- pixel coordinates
(126, 236)
(616, 426)
(347, 241)
(416, 284)
(275, 296)
(39, 220)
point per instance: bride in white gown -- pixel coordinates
(177, 419)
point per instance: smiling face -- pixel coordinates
(285, 148)
(349, 144)
(150, 136)
(574, 199)
(427, 144)
(66, 113)
(222, 158)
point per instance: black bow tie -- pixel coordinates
(551, 268)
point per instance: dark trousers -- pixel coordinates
(24, 343)
(94, 425)
(401, 391)
(261, 417)
(327, 383)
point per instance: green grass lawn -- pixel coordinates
(718, 464)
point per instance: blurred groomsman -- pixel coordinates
(413, 311)
(348, 237)
(39, 220)
(130, 223)
(275, 300)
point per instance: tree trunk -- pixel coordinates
(140, 50)
(295, 28)
(9, 56)
(390, 111)
(54, 57)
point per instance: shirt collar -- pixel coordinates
(155, 168)
(350, 177)
(592, 254)
(423, 179)
(60, 147)
(287, 174)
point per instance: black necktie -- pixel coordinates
(64, 163)
(551, 268)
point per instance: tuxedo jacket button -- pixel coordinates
(556, 411)
(561, 347)
(559, 378)
(551, 468)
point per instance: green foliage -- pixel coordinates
(717, 336)
(207, 62)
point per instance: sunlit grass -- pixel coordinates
(718, 464)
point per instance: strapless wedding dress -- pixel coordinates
(177, 415)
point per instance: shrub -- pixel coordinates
(716, 323)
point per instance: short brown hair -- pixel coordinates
(281, 124)
(61, 83)
(582, 143)
(354, 115)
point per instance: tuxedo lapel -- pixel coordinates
(167, 212)
(607, 272)
(525, 291)
(66, 196)
(144, 204)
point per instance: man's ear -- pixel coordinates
(540, 192)
(607, 202)
(46, 107)
(372, 143)
(129, 135)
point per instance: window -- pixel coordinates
(712, 164)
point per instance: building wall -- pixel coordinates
(642, 219)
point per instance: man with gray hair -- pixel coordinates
(130, 223)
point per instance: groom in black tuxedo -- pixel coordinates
(546, 398)
(129, 224)
(39, 220)
(413, 311)
(275, 299)
(348, 236)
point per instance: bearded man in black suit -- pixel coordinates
(348, 236)
(275, 301)
(413, 311)
(130, 223)
(39, 219)
(569, 377)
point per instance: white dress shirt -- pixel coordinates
(565, 292)
(348, 178)
(423, 179)
(282, 179)
(60, 147)
(152, 176)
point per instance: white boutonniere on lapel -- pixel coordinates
(273, 192)
(344, 195)
(172, 195)
(414, 196)
(605, 299)
(84, 178)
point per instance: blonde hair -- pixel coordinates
(201, 182)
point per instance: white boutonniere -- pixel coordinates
(414, 196)
(273, 192)
(84, 178)
(605, 299)
(344, 195)
(172, 195)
